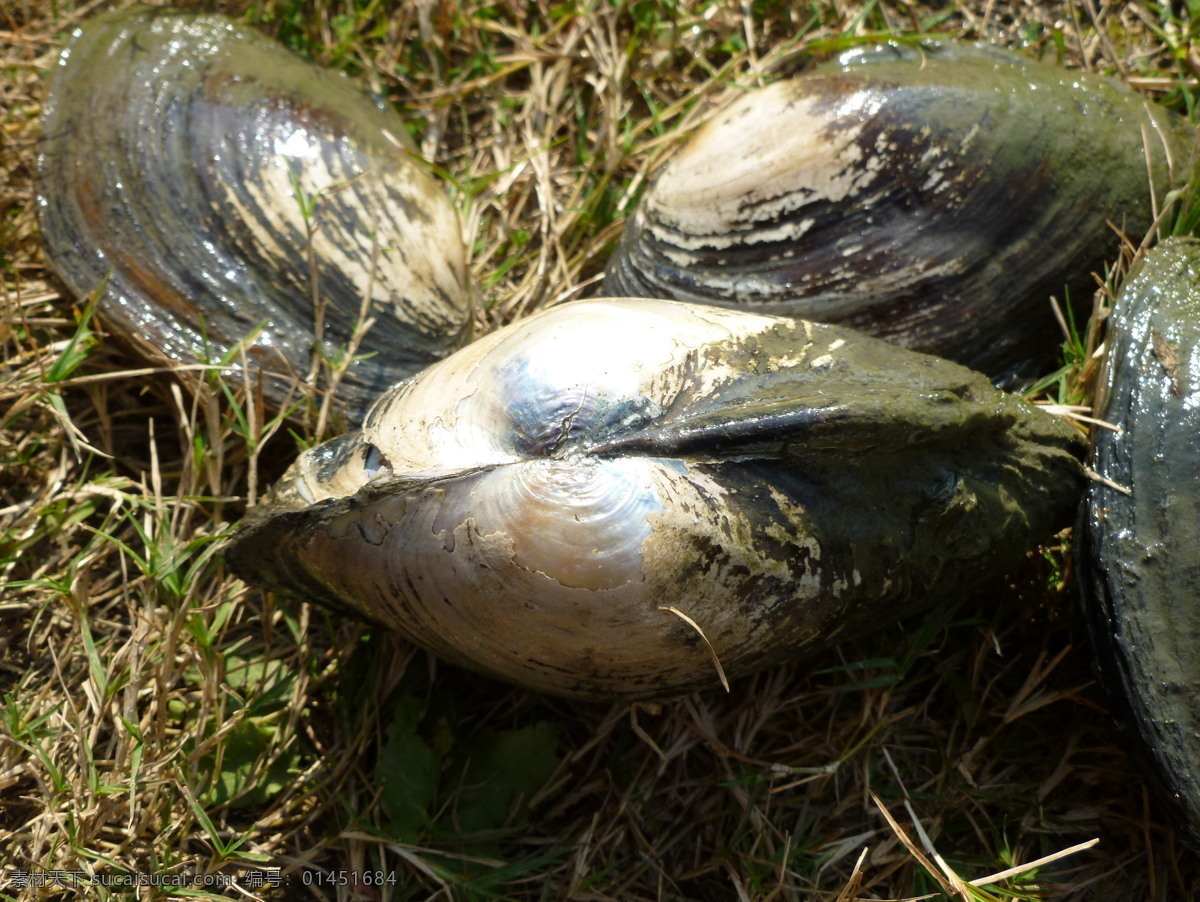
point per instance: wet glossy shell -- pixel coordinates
(179, 154)
(934, 197)
(580, 502)
(1140, 551)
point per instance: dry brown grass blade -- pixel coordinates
(712, 652)
(1028, 699)
(854, 881)
(1033, 865)
(948, 885)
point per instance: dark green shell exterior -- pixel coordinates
(1140, 551)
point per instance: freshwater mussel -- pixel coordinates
(219, 192)
(937, 196)
(619, 498)
(1140, 530)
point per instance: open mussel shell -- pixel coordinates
(219, 192)
(934, 196)
(1140, 536)
(610, 497)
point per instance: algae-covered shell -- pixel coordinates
(211, 183)
(588, 501)
(935, 196)
(1140, 543)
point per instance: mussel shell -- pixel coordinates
(581, 502)
(179, 152)
(936, 197)
(1140, 548)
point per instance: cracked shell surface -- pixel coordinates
(1140, 548)
(178, 151)
(535, 505)
(936, 196)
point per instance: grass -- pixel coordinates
(161, 717)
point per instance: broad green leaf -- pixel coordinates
(407, 771)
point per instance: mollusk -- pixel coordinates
(606, 498)
(936, 197)
(203, 178)
(1139, 548)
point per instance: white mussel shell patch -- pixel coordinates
(579, 521)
